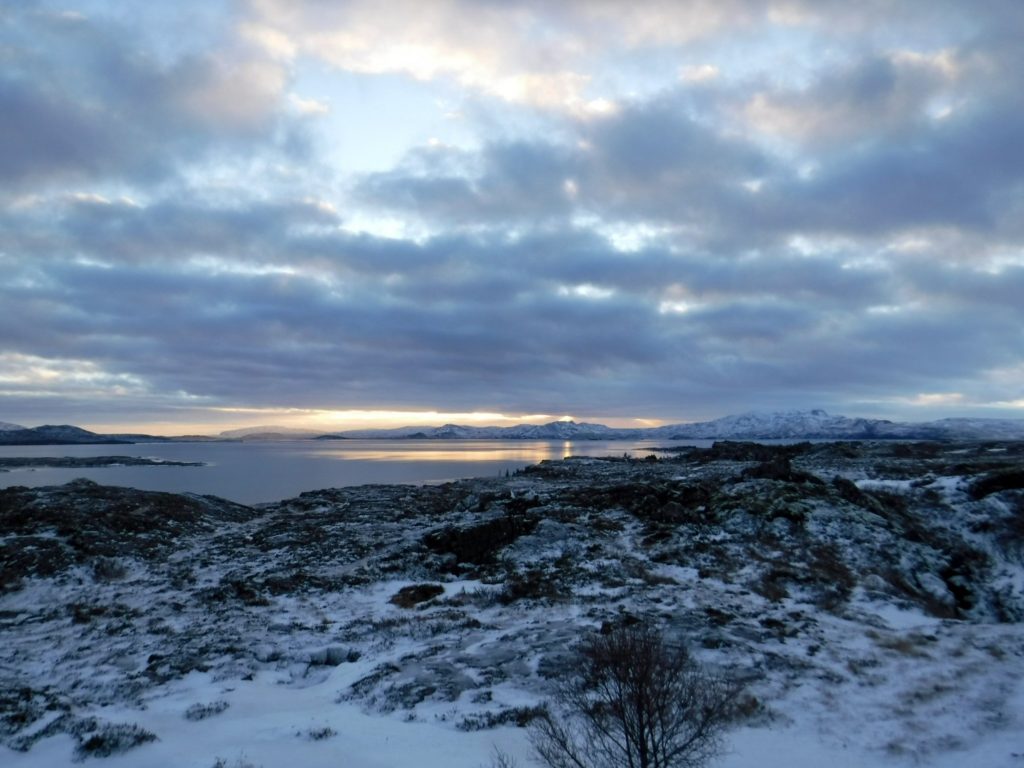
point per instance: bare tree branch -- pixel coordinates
(635, 701)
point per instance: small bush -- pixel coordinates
(413, 595)
(532, 584)
(333, 656)
(500, 759)
(202, 711)
(517, 716)
(633, 700)
(771, 586)
(995, 482)
(112, 739)
(106, 569)
(318, 734)
(220, 762)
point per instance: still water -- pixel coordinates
(257, 472)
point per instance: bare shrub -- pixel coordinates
(517, 716)
(203, 711)
(634, 700)
(502, 759)
(318, 734)
(414, 594)
(220, 762)
(112, 739)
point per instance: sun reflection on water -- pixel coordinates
(530, 452)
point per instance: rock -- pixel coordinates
(935, 588)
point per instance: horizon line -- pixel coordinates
(208, 430)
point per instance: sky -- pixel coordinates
(350, 214)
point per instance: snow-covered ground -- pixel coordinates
(875, 622)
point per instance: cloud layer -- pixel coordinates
(664, 212)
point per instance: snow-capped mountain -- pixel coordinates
(986, 429)
(270, 432)
(555, 430)
(815, 424)
(781, 425)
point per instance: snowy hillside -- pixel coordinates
(868, 595)
(780, 425)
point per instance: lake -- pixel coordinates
(255, 472)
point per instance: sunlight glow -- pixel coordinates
(335, 420)
(938, 398)
(586, 291)
(217, 265)
(530, 452)
(698, 73)
(674, 307)
(402, 418)
(41, 377)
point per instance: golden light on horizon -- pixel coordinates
(227, 418)
(528, 452)
(214, 420)
(405, 418)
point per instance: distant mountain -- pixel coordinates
(6, 426)
(981, 429)
(556, 430)
(66, 434)
(781, 425)
(133, 437)
(269, 433)
(50, 434)
(819, 425)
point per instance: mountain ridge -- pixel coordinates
(815, 424)
(755, 425)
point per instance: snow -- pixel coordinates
(270, 725)
(874, 681)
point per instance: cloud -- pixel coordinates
(83, 104)
(960, 174)
(308, 106)
(647, 161)
(645, 208)
(654, 161)
(366, 322)
(900, 92)
(511, 52)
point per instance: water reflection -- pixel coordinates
(268, 471)
(528, 452)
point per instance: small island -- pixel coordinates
(79, 462)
